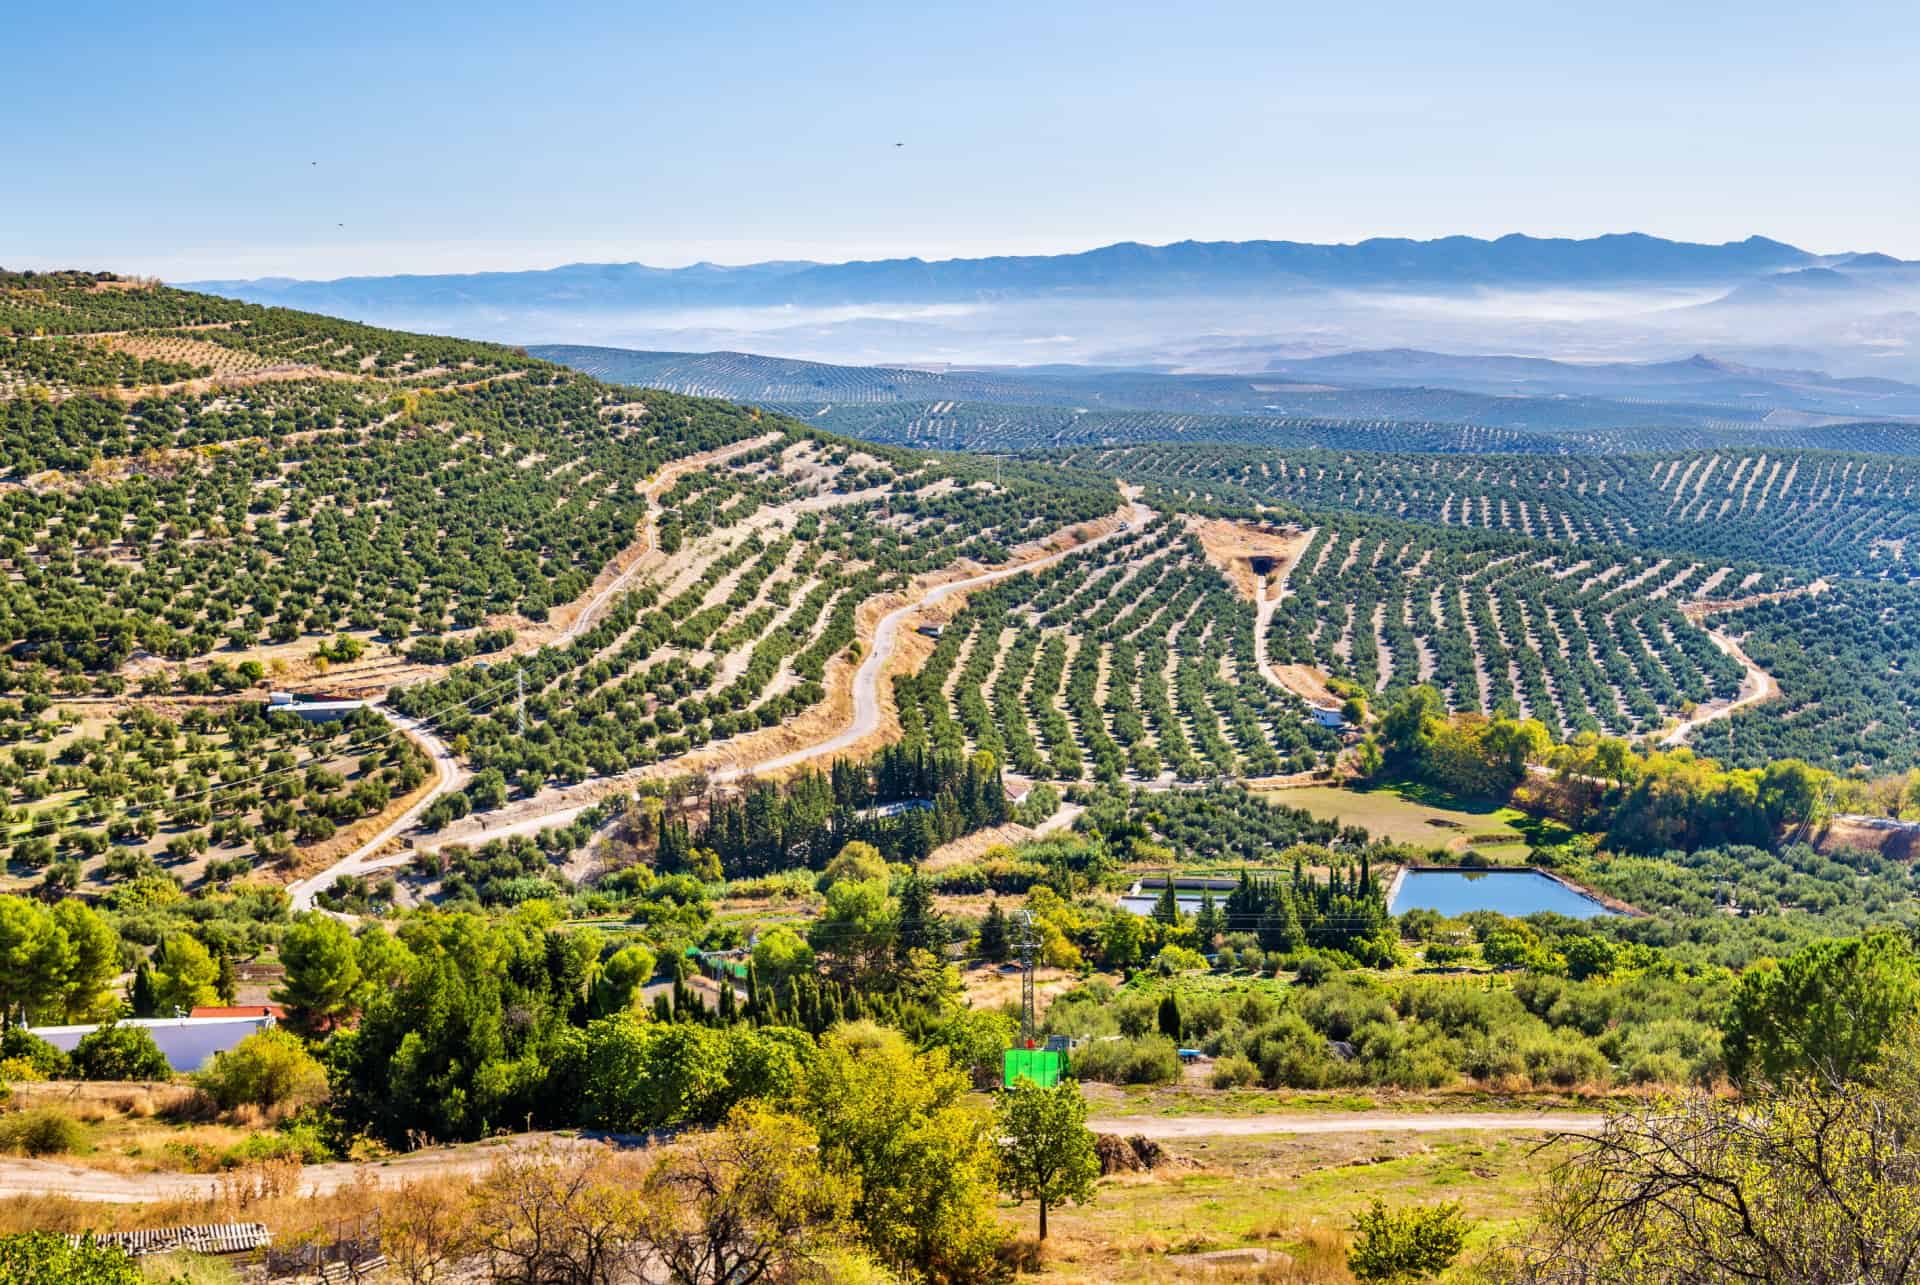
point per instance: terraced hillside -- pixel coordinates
(738, 621)
(1134, 660)
(203, 499)
(1841, 514)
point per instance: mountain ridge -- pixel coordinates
(1201, 267)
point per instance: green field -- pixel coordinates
(1293, 1195)
(1405, 813)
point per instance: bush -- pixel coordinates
(48, 1256)
(48, 1062)
(1148, 1059)
(267, 1069)
(1393, 1246)
(120, 1053)
(1234, 1071)
(42, 1131)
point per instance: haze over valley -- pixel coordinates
(1085, 644)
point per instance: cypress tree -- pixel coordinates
(919, 926)
(729, 1013)
(1169, 1017)
(227, 983)
(1206, 924)
(142, 997)
(753, 994)
(993, 934)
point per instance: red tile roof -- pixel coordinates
(274, 1011)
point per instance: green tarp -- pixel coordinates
(1043, 1066)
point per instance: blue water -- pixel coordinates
(1514, 893)
(1143, 906)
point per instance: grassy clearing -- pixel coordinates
(1195, 1098)
(1293, 1195)
(1406, 812)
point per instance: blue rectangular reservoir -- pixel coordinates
(1514, 893)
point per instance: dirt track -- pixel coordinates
(1242, 1126)
(1757, 686)
(20, 1177)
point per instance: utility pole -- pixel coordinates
(1029, 947)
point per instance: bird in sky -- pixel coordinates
(899, 144)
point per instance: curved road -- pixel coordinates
(366, 858)
(1758, 685)
(886, 637)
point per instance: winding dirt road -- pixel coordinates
(369, 857)
(1757, 685)
(886, 638)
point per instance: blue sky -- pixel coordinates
(217, 139)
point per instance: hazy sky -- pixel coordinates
(227, 139)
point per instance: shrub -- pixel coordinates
(1292, 1055)
(42, 1131)
(21, 1045)
(1394, 1246)
(120, 1053)
(1233, 1071)
(1148, 1059)
(267, 1069)
(49, 1256)
(1312, 970)
(1564, 1060)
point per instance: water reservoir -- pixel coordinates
(1514, 893)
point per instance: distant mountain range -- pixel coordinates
(1123, 270)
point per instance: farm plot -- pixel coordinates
(405, 530)
(1827, 512)
(1592, 640)
(1131, 660)
(103, 799)
(1848, 665)
(734, 632)
(983, 426)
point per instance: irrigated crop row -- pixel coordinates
(1594, 642)
(1132, 659)
(1832, 513)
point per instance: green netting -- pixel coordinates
(1043, 1066)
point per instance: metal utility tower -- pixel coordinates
(1029, 948)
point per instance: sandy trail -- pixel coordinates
(23, 1177)
(886, 637)
(1758, 685)
(1240, 1126)
(868, 714)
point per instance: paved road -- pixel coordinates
(366, 858)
